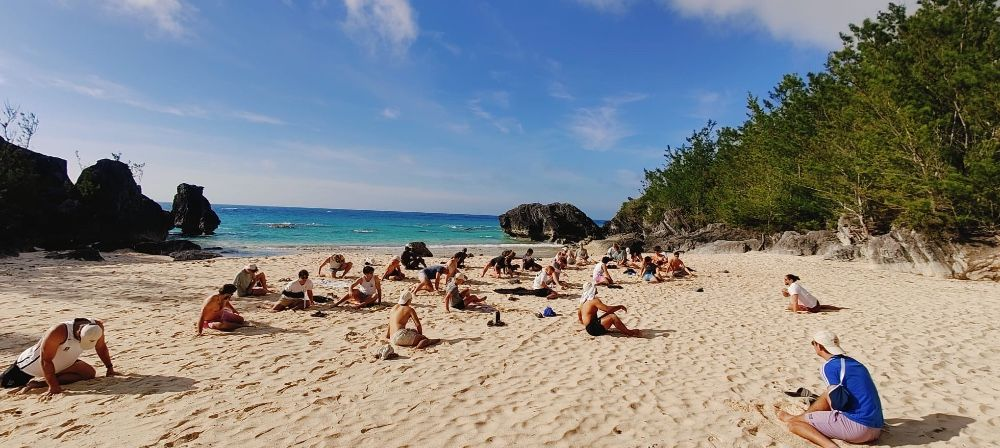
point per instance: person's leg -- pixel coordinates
(424, 342)
(808, 432)
(363, 300)
(79, 371)
(279, 306)
(347, 267)
(612, 320)
(485, 268)
(261, 280)
(231, 317)
(224, 326)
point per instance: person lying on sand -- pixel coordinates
(801, 299)
(459, 299)
(543, 286)
(601, 274)
(598, 326)
(218, 313)
(337, 264)
(430, 278)
(397, 332)
(676, 267)
(251, 282)
(56, 357)
(365, 291)
(394, 271)
(854, 417)
(297, 295)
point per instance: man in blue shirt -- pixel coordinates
(859, 421)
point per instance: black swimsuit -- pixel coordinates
(594, 328)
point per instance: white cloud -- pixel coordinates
(609, 6)
(599, 128)
(495, 100)
(709, 104)
(390, 113)
(381, 23)
(169, 16)
(102, 89)
(257, 118)
(559, 90)
(811, 22)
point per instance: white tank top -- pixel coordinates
(30, 361)
(367, 287)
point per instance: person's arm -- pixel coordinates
(201, 317)
(50, 347)
(794, 305)
(103, 353)
(607, 274)
(378, 289)
(416, 321)
(387, 329)
(579, 315)
(609, 308)
(229, 305)
(447, 306)
(324, 263)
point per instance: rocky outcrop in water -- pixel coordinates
(192, 213)
(557, 222)
(420, 249)
(119, 214)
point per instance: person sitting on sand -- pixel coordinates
(597, 326)
(582, 257)
(528, 261)
(297, 295)
(337, 264)
(365, 291)
(649, 271)
(56, 357)
(459, 299)
(251, 282)
(394, 271)
(601, 274)
(462, 256)
(543, 286)
(397, 332)
(410, 259)
(430, 278)
(860, 418)
(616, 254)
(218, 312)
(801, 299)
(508, 264)
(676, 267)
(660, 258)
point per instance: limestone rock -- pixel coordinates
(192, 213)
(554, 222)
(189, 255)
(420, 249)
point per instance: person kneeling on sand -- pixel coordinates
(56, 357)
(854, 416)
(251, 282)
(297, 295)
(801, 300)
(597, 326)
(398, 318)
(459, 299)
(337, 264)
(543, 286)
(394, 270)
(365, 291)
(430, 278)
(218, 313)
(411, 260)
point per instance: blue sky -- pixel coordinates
(426, 105)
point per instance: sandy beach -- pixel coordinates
(707, 373)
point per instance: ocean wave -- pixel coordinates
(362, 231)
(289, 225)
(231, 208)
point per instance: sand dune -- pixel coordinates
(707, 373)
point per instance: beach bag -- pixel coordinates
(14, 377)
(839, 395)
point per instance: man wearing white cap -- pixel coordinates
(251, 282)
(854, 416)
(56, 357)
(460, 299)
(399, 317)
(596, 325)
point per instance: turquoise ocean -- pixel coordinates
(264, 230)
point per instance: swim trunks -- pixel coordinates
(836, 425)
(405, 337)
(594, 328)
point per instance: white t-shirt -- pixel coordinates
(598, 271)
(542, 280)
(294, 286)
(805, 298)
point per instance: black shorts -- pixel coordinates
(594, 328)
(457, 302)
(14, 377)
(544, 292)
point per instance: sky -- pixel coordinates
(413, 105)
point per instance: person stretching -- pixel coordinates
(399, 316)
(459, 299)
(337, 264)
(543, 286)
(297, 295)
(394, 270)
(649, 271)
(218, 313)
(430, 278)
(529, 263)
(598, 326)
(365, 291)
(251, 282)
(801, 300)
(56, 357)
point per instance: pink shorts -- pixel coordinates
(835, 425)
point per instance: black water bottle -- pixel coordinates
(497, 318)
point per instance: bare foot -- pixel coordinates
(782, 415)
(35, 384)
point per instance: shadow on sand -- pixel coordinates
(931, 428)
(125, 384)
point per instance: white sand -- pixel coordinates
(707, 373)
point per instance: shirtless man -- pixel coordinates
(660, 258)
(337, 264)
(459, 299)
(451, 269)
(218, 313)
(430, 278)
(677, 268)
(251, 282)
(365, 291)
(398, 318)
(597, 326)
(394, 271)
(56, 357)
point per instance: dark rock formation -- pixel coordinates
(633, 241)
(420, 249)
(708, 234)
(727, 247)
(86, 254)
(553, 222)
(39, 205)
(192, 213)
(120, 215)
(165, 247)
(190, 255)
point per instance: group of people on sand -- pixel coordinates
(849, 409)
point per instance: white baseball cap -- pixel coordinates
(829, 341)
(405, 298)
(251, 267)
(89, 335)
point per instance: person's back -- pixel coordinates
(399, 316)
(865, 406)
